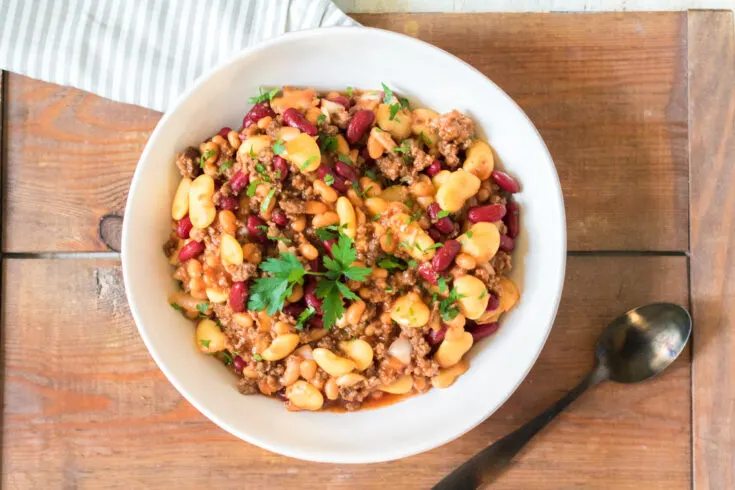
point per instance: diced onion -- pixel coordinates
(401, 350)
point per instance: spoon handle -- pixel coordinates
(491, 462)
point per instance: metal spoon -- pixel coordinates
(634, 347)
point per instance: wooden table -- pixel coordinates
(638, 111)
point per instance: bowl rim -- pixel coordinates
(127, 232)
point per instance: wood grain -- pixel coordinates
(86, 407)
(71, 156)
(607, 92)
(712, 140)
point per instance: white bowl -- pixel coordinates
(334, 59)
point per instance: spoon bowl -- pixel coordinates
(643, 342)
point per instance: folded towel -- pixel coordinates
(143, 52)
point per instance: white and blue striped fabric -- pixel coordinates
(143, 52)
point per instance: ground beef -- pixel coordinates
(292, 206)
(341, 118)
(501, 262)
(450, 152)
(454, 126)
(170, 247)
(392, 166)
(242, 272)
(188, 163)
(248, 386)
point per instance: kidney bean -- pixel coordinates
(184, 226)
(230, 203)
(224, 131)
(428, 273)
(255, 233)
(279, 218)
(280, 165)
(434, 168)
(341, 100)
(444, 255)
(444, 224)
(190, 250)
(359, 125)
(238, 296)
(435, 337)
(328, 246)
(488, 213)
(479, 332)
(239, 181)
(345, 171)
(316, 322)
(339, 184)
(310, 297)
(493, 302)
(512, 219)
(294, 309)
(295, 119)
(258, 112)
(238, 363)
(505, 181)
(507, 244)
(435, 234)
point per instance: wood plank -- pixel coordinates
(71, 156)
(607, 92)
(82, 390)
(712, 140)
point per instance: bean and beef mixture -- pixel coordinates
(339, 247)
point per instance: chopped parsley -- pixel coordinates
(412, 264)
(436, 245)
(252, 153)
(267, 200)
(308, 161)
(280, 239)
(349, 91)
(257, 357)
(425, 139)
(392, 263)
(484, 293)
(279, 147)
(330, 288)
(345, 159)
(371, 175)
(447, 307)
(360, 192)
(388, 94)
(330, 232)
(405, 148)
(263, 96)
(321, 118)
(469, 233)
(329, 179)
(227, 358)
(271, 292)
(252, 187)
(442, 214)
(394, 108)
(304, 316)
(176, 307)
(225, 166)
(207, 154)
(329, 144)
(205, 343)
(442, 284)
(203, 307)
(262, 228)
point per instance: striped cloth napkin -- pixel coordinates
(143, 52)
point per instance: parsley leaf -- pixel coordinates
(394, 108)
(469, 233)
(447, 307)
(404, 102)
(279, 147)
(203, 307)
(345, 159)
(327, 232)
(308, 161)
(263, 96)
(207, 154)
(329, 179)
(329, 144)
(271, 292)
(442, 284)
(321, 118)
(330, 289)
(349, 91)
(442, 214)
(280, 239)
(304, 316)
(176, 307)
(388, 94)
(257, 357)
(252, 187)
(267, 200)
(205, 343)
(371, 175)
(227, 358)
(225, 166)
